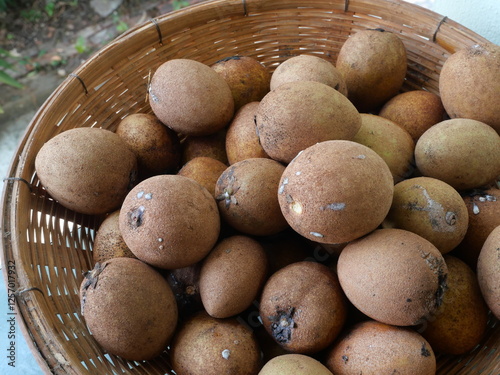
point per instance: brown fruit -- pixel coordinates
(190, 97)
(185, 283)
(242, 140)
(108, 242)
(247, 78)
(464, 153)
(169, 221)
(157, 147)
(232, 275)
(302, 307)
(469, 84)
(299, 114)
(246, 196)
(488, 271)
(204, 170)
(129, 308)
(374, 348)
(393, 276)
(88, 170)
(336, 191)
(308, 68)
(373, 63)
(212, 146)
(430, 208)
(210, 346)
(294, 364)
(415, 111)
(391, 142)
(460, 323)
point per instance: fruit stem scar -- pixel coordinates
(136, 217)
(282, 325)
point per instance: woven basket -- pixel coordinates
(50, 247)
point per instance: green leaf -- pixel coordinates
(8, 80)
(5, 64)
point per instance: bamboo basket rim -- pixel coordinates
(435, 34)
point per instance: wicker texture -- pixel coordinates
(51, 246)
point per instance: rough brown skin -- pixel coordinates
(336, 191)
(483, 207)
(303, 307)
(390, 141)
(127, 316)
(232, 275)
(246, 196)
(210, 346)
(108, 242)
(185, 283)
(157, 147)
(430, 208)
(247, 78)
(299, 114)
(308, 68)
(212, 146)
(294, 364)
(242, 140)
(415, 111)
(374, 348)
(169, 221)
(469, 84)
(464, 153)
(460, 323)
(190, 97)
(373, 63)
(393, 276)
(204, 170)
(88, 170)
(488, 271)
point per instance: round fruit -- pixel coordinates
(488, 271)
(336, 191)
(393, 276)
(169, 221)
(88, 170)
(129, 308)
(204, 170)
(190, 97)
(211, 146)
(294, 364)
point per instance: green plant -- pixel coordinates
(4, 4)
(178, 4)
(5, 77)
(121, 26)
(81, 45)
(50, 7)
(31, 15)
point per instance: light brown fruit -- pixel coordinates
(302, 307)
(464, 153)
(127, 316)
(88, 170)
(294, 364)
(393, 276)
(469, 84)
(242, 140)
(211, 146)
(488, 271)
(169, 221)
(247, 78)
(336, 191)
(190, 97)
(308, 68)
(204, 170)
(415, 111)
(374, 348)
(299, 114)
(373, 63)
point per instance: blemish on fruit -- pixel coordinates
(296, 207)
(136, 217)
(333, 206)
(282, 325)
(345, 359)
(282, 186)
(148, 196)
(140, 194)
(316, 234)
(226, 353)
(451, 218)
(424, 351)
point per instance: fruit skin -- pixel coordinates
(464, 153)
(190, 97)
(211, 146)
(393, 276)
(373, 63)
(460, 323)
(204, 170)
(127, 316)
(294, 364)
(374, 348)
(208, 346)
(303, 307)
(488, 271)
(469, 84)
(169, 221)
(247, 78)
(336, 191)
(88, 170)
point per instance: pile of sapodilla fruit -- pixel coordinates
(312, 220)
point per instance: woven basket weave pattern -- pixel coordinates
(51, 246)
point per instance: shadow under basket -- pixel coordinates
(50, 247)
